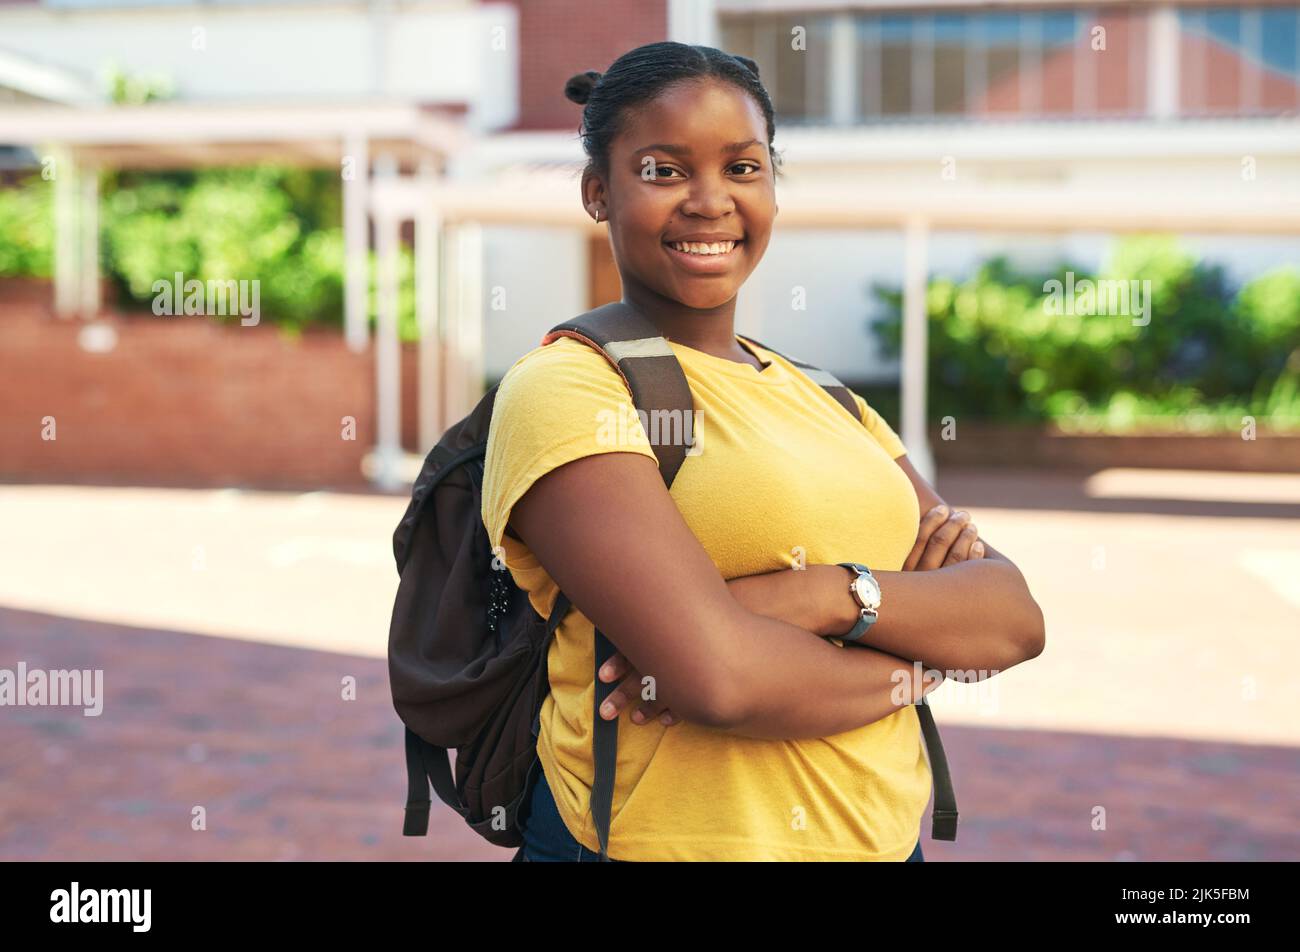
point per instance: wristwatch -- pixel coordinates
(866, 592)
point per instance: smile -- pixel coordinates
(702, 247)
(704, 257)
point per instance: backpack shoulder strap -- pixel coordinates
(642, 357)
(823, 378)
(649, 368)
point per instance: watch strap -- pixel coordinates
(866, 617)
(865, 620)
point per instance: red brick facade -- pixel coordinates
(182, 401)
(561, 37)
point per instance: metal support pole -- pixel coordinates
(64, 171)
(428, 228)
(915, 346)
(356, 241)
(1163, 38)
(388, 349)
(468, 341)
(90, 242)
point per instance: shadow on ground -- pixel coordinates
(285, 769)
(1068, 492)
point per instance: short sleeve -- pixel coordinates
(558, 403)
(879, 429)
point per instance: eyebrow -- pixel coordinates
(686, 150)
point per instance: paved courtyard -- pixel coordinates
(226, 622)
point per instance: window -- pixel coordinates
(999, 45)
(1120, 70)
(1064, 44)
(793, 56)
(952, 63)
(999, 64)
(1278, 62)
(1239, 60)
(897, 74)
(1024, 62)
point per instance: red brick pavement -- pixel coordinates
(286, 769)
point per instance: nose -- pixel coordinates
(709, 197)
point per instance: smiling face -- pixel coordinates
(691, 166)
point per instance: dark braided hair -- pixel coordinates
(639, 75)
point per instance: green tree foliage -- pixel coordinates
(26, 229)
(274, 225)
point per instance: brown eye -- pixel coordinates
(749, 167)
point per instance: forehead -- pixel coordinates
(698, 113)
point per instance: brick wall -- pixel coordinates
(561, 37)
(183, 401)
(187, 402)
(1032, 447)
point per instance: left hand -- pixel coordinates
(943, 539)
(618, 668)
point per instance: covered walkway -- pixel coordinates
(458, 183)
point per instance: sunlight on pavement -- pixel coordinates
(1168, 625)
(312, 570)
(1193, 485)
(1280, 569)
(1177, 626)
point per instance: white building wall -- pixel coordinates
(446, 52)
(541, 275)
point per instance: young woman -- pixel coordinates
(767, 738)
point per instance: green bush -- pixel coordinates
(276, 226)
(1207, 356)
(27, 229)
(280, 227)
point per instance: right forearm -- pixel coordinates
(785, 686)
(794, 596)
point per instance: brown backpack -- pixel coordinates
(467, 651)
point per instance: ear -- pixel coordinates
(593, 192)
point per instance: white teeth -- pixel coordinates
(703, 248)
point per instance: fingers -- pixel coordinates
(652, 710)
(648, 710)
(616, 668)
(937, 548)
(931, 521)
(962, 548)
(628, 692)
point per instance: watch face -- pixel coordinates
(868, 590)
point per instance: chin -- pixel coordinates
(706, 299)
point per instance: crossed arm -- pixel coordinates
(725, 654)
(817, 599)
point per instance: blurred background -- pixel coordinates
(255, 257)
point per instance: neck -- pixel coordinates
(712, 330)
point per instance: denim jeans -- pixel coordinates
(548, 840)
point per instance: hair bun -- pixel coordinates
(749, 64)
(579, 87)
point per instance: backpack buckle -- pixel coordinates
(943, 825)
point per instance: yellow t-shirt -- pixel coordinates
(783, 474)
